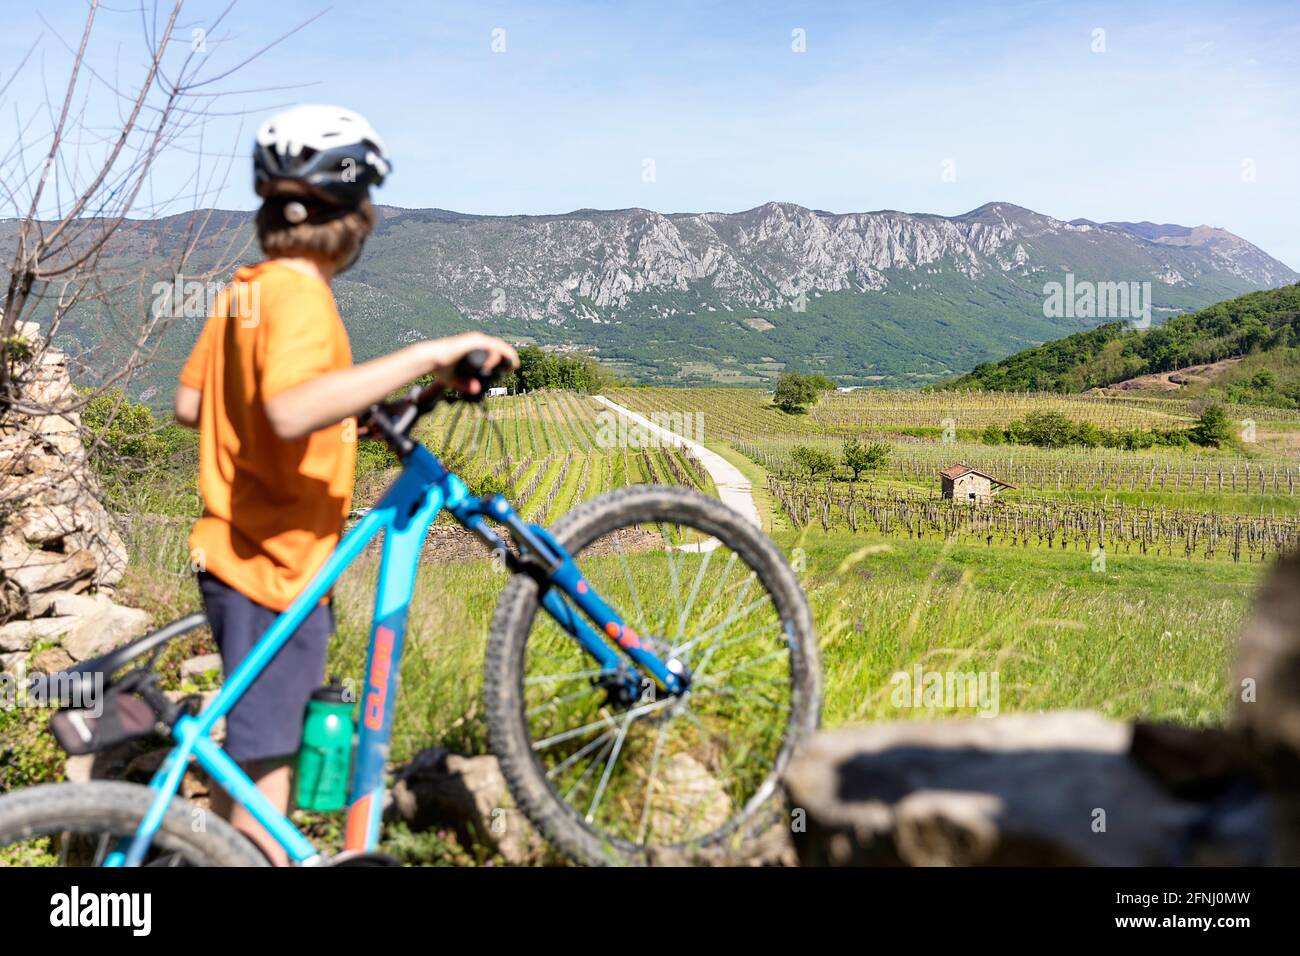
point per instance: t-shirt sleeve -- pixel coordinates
(196, 366)
(300, 341)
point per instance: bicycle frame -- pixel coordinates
(404, 515)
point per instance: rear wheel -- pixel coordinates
(612, 782)
(80, 824)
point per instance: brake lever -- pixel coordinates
(421, 400)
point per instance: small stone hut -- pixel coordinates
(964, 483)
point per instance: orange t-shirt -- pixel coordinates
(273, 509)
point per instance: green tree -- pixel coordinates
(539, 368)
(124, 437)
(813, 460)
(1046, 429)
(858, 456)
(134, 455)
(1211, 428)
(794, 392)
(1088, 435)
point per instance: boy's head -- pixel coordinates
(295, 226)
(313, 166)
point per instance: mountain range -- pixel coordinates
(886, 297)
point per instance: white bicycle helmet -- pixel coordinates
(331, 152)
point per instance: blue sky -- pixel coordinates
(1159, 126)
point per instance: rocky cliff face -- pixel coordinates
(60, 555)
(587, 263)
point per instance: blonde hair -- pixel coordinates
(328, 233)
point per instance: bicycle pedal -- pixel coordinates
(363, 858)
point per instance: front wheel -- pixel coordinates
(611, 781)
(80, 824)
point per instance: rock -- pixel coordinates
(772, 847)
(688, 800)
(11, 663)
(100, 634)
(43, 524)
(98, 535)
(198, 666)
(142, 767)
(79, 769)
(1267, 711)
(52, 660)
(1021, 789)
(58, 536)
(49, 571)
(68, 603)
(21, 635)
(1191, 762)
(469, 794)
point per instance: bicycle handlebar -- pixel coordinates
(392, 421)
(470, 368)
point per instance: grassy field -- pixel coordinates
(1134, 635)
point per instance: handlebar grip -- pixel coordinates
(471, 367)
(471, 364)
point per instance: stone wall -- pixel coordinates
(60, 554)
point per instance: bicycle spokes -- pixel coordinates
(658, 768)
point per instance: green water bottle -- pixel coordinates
(326, 753)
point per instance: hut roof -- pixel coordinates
(954, 472)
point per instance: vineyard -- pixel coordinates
(552, 450)
(1064, 469)
(733, 414)
(1092, 528)
(545, 450)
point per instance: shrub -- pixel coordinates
(794, 392)
(1212, 428)
(127, 445)
(1046, 429)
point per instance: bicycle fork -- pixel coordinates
(558, 577)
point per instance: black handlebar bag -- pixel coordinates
(120, 716)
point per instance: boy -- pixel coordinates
(272, 390)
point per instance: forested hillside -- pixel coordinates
(1261, 327)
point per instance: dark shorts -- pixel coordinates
(266, 722)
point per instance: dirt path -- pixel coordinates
(733, 487)
(1175, 380)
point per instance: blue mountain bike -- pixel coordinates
(652, 706)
